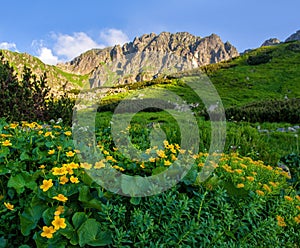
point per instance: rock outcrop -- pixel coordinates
(271, 42)
(149, 56)
(293, 37)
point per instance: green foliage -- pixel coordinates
(29, 98)
(267, 111)
(292, 161)
(218, 212)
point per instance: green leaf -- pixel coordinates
(24, 156)
(3, 242)
(20, 181)
(4, 151)
(90, 233)
(17, 182)
(88, 200)
(135, 200)
(29, 219)
(24, 246)
(78, 218)
(158, 170)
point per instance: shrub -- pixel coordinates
(29, 98)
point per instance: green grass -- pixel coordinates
(240, 136)
(239, 83)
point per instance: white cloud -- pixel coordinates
(113, 37)
(70, 46)
(46, 55)
(8, 46)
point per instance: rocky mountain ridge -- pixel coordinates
(149, 56)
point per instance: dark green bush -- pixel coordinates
(29, 98)
(267, 111)
(259, 59)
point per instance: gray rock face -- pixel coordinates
(149, 56)
(271, 42)
(293, 37)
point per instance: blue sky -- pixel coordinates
(58, 31)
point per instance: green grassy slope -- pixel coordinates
(263, 74)
(55, 77)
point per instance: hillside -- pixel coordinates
(56, 77)
(266, 73)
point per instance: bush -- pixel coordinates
(29, 98)
(259, 59)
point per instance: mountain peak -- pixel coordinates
(294, 37)
(149, 55)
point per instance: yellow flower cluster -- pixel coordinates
(57, 223)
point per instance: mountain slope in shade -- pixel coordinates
(149, 56)
(56, 78)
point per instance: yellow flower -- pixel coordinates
(280, 221)
(167, 163)
(273, 184)
(99, 165)
(57, 126)
(267, 188)
(59, 148)
(173, 157)
(68, 133)
(13, 125)
(59, 171)
(60, 197)
(239, 171)
(142, 165)
(177, 146)
(288, 198)
(31, 125)
(74, 179)
(182, 151)
(243, 166)
(42, 166)
(297, 219)
(118, 168)
(9, 206)
(85, 166)
(251, 179)
(148, 151)
(70, 154)
(48, 134)
(240, 185)
(63, 180)
(105, 152)
(152, 160)
(109, 158)
(298, 207)
(200, 164)
(77, 151)
(58, 223)
(269, 167)
(6, 143)
(50, 152)
(166, 143)
(161, 153)
(47, 184)
(298, 197)
(254, 173)
(48, 232)
(59, 210)
(69, 169)
(259, 192)
(73, 165)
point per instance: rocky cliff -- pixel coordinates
(293, 37)
(149, 56)
(271, 42)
